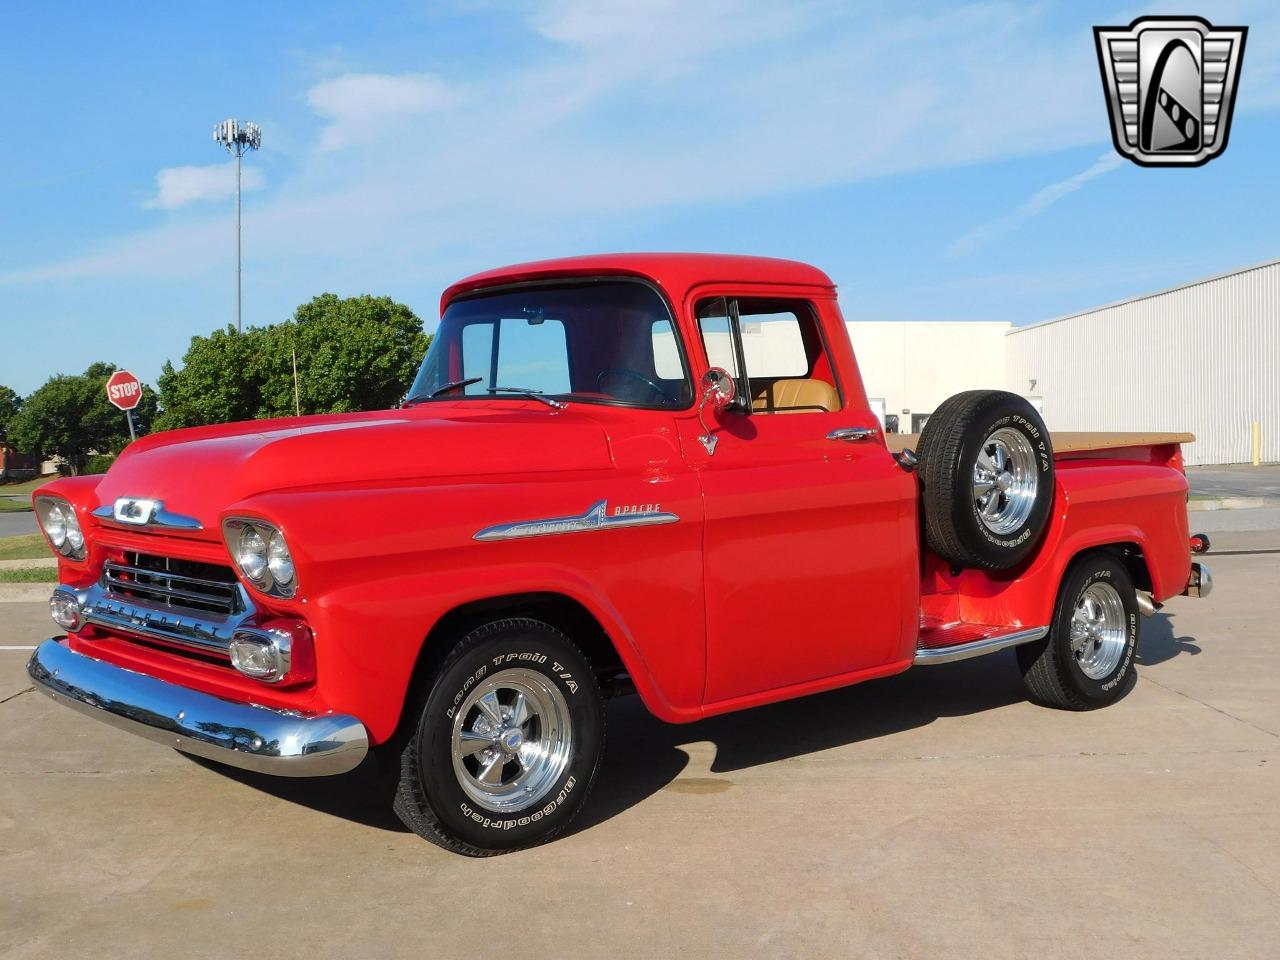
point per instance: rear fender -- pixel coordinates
(1096, 504)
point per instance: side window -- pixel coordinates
(666, 352)
(773, 344)
(787, 369)
(714, 325)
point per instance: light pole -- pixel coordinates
(237, 139)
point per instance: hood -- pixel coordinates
(200, 472)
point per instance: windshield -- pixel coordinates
(591, 342)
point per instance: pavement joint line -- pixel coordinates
(14, 696)
(1225, 713)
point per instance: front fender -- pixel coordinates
(367, 669)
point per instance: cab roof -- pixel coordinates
(674, 273)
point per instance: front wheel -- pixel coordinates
(1086, 661)
(508, 741)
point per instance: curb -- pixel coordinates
(25, 592)
(1233, 503)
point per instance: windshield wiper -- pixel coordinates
(531, 394)
(452, 385)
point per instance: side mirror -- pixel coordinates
(718, 388)
(718, 391)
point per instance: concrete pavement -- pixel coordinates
(935, 814)
(1236, 480)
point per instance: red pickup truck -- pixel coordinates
(649, 473)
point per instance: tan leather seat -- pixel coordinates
(796, 396)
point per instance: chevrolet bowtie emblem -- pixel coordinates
(1170, 84)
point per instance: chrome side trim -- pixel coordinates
(132, 512)
(854, 433)
(206, 632)
(596, 518)
(279, 742)
(963, 651)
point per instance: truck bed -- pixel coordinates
(1072, 442)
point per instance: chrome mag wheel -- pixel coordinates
(1098, 634)
(1005, 480)
(512, 739)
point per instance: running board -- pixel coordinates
(979, 647)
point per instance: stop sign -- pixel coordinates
(124, 390)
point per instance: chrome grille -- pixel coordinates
(173, 584)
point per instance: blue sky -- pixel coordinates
(939, 161)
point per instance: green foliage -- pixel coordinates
(10, 404)
(70, 418)
(357, 353)
(99, 462)
(36, 575)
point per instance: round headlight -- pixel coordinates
(55, 525)
(251, 553)
(75, 536)
(279, 561)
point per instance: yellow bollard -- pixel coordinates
(1257, 444)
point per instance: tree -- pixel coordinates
(70, 418)
(354, 353)
(10, 404)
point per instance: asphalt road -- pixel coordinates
(934, 814)
(12, 524)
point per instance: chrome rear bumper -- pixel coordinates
(278, 742)
(1200, 584)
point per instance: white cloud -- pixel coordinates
(178, 186)
(363, 106)
(1039, 202)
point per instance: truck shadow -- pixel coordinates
(645, 755)
(1159, 643)
(362, 796)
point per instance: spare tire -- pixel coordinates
(986, 466)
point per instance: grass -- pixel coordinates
(26, 546)
(26, 486)
(14, 506)
(37, 575)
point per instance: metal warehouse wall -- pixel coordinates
(1204, 357)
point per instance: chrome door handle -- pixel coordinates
(853, 434)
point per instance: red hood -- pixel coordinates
(200, 472)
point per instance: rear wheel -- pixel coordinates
(508, 741)
(986, 465)
(1086, 661)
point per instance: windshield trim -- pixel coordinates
(571, 281)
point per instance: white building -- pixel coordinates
(1203, 357)
(909, 367)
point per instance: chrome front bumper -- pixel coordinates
(279, 742)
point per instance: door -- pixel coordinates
(809, 558)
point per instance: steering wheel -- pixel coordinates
(619, 371)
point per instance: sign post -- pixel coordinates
(124, 390)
